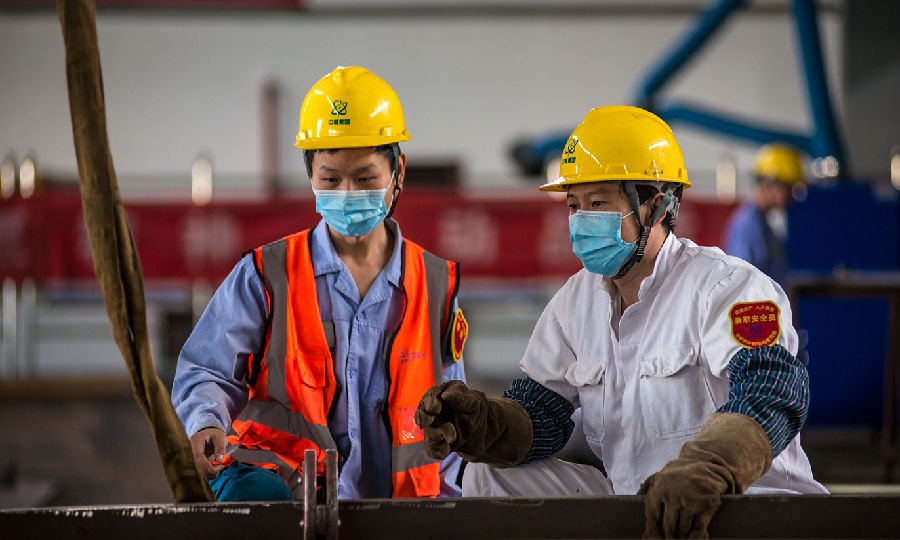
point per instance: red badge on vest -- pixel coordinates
(755, 324)
(460, 333)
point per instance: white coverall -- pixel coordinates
(645, 382)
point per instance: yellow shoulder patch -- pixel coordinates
(460, 333)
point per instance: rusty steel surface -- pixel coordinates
(320, 520)
(775, 517)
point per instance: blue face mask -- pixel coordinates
(597, 240)
(351, 213)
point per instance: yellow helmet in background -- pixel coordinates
(620, 142)
(350, 108)
(780, 162)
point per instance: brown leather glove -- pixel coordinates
(731, 452)
(496, 431)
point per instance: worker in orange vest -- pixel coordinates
(327, 338)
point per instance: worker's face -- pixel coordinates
(352, 169)
(605, 197)
(779, 194)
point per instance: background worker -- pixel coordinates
(757, 231)
(680, 357)
(327, 338)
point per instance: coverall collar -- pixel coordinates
(325, 259)
(665, 260)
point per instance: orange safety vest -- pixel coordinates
(292, 382)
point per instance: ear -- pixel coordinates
(655, 202)
(401, 169)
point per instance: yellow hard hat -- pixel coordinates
(780, 162)
(350, 108)
(620, 142)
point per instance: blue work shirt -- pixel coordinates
(210, 387)
(749, 237)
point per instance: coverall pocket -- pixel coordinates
(311, 370)
(675, 397)
(586, 374)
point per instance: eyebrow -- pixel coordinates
(368, 167)
(590, 194)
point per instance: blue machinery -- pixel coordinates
(824, 140)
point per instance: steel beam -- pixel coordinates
(750, 517)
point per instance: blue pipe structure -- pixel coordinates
(824, 139)
(706, 24)
(715, 122)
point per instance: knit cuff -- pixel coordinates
(551, 417)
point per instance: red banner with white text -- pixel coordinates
(522, 235)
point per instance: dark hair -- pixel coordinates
(648, 191)
(391, 152)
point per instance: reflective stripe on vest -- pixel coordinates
(415, 364)
(296, 372)
(295, 367)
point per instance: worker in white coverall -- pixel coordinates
(681, 358)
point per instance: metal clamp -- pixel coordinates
(320, 520)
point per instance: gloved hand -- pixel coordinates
(730, 453)
(496, 431)
(208, 446)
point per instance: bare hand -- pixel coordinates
(208, 446)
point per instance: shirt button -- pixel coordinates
(360, 316)
(353, 433)
(352, 373)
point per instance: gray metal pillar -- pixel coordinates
(9, 307)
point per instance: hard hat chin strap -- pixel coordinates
(394, 197)
(668, 202)
(637, 254)
(395, 150)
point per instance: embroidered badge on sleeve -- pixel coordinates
(460, 333)
(755, 324)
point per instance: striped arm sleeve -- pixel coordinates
(550, 413)
(771, 386)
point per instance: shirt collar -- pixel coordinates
(665, 259)
(325, 259)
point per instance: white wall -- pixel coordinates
(179, 85)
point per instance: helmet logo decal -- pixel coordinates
(339, 108)
(569, 150)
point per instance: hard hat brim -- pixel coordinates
(562, 184)
(354, 141)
